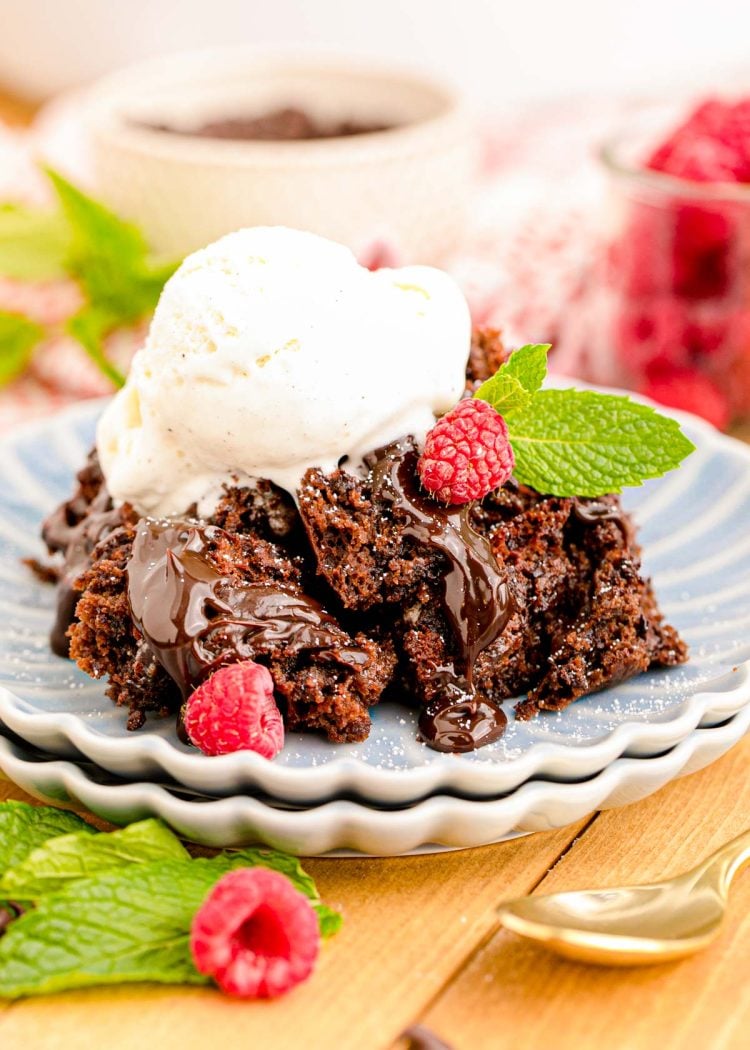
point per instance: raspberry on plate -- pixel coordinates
(255, 934)
(467, 453)
(234, 710)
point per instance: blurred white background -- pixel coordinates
(500, 51)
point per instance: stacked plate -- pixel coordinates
(64, 741)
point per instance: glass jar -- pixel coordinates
(666, 306)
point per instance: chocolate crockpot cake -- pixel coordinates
(363, 588)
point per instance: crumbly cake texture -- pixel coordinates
(582, 615)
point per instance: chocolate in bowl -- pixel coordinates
(155, 159)
(286, 124)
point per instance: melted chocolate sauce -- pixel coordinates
(195, 619)
(475, 597)
(76, 540)
(592, 511)
(462, 724)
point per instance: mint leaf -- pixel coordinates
(130, 925)
(330, 921)
(109, 256)
(581, 443)
(270, 858)
(52, 865)
(33, 244)
(528, 365)
(24, 827)
(96, 232)
(512, 386)
(504, 392)
(18, 337)
(90, 326)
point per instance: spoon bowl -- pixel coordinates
(634, 925)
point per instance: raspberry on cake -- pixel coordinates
(467, 453)
(291, 522)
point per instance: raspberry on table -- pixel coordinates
(255, 934)
(234, 710)
(467, 453)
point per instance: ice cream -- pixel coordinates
(271, 351)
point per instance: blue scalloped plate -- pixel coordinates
(695, 529)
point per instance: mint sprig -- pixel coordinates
(18, 338)
(579, 442)
(107, 257)
(59, 861)
(528, 365)
(33, 244)
(125, 926)
(24, 827)
(107, 908)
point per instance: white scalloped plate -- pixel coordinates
(437, 823)
(696, 535)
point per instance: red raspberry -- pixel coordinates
(234, 710)
(712, 145)
(690, 390)
(255, 934)
(467, 453)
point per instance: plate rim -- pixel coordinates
(345, 824)
(64, 731)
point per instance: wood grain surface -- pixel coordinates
(421, 943)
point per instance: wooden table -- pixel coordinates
(421, 944)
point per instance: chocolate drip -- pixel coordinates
(459, 719)
(592, 511)
(474, 593)
(195, 619)
(75, 529)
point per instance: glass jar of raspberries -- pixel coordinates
(667, 310)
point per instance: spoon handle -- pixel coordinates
(729, 859)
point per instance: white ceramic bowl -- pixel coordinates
(405, 186)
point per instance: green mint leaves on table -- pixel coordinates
(59, 861)
(106, 908)
(579, 442)
(105, 255)
(24, 827)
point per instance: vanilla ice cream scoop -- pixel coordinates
(272, 351)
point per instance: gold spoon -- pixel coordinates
(634, 925)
